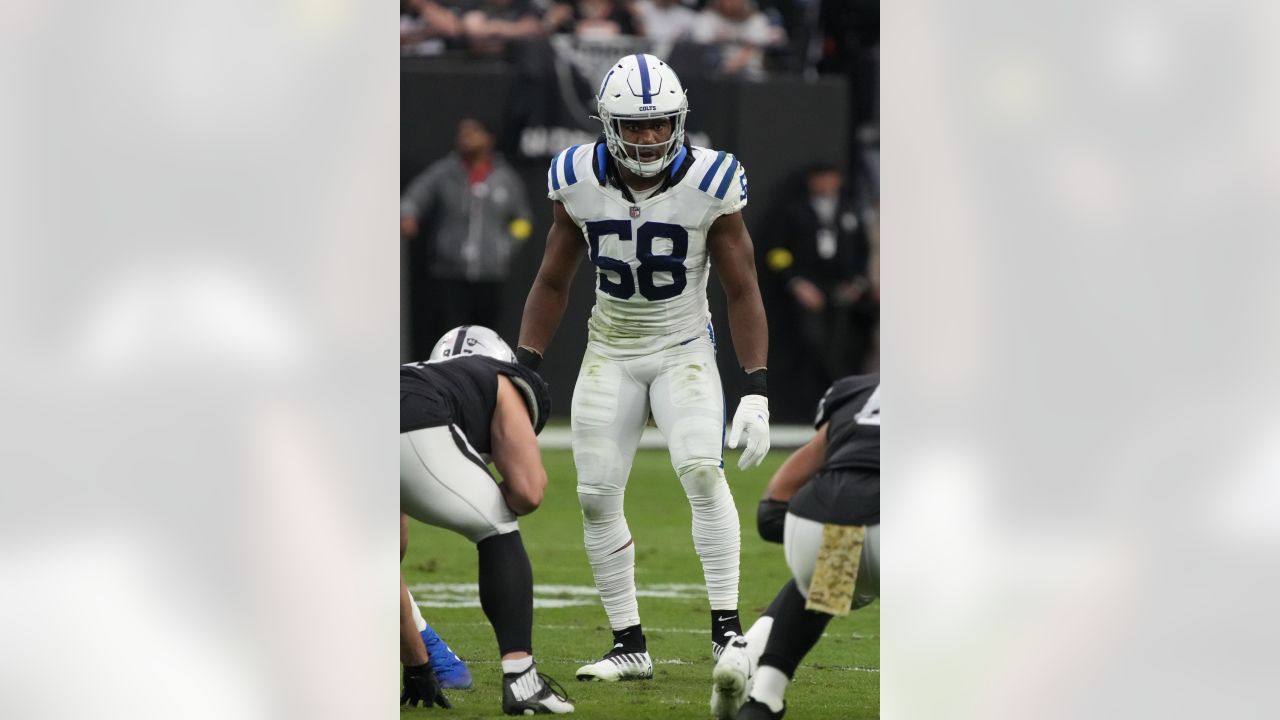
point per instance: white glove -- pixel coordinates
(752, 418)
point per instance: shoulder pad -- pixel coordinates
(716, 179)
(841, 392)
(564, 169)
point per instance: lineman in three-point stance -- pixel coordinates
(471, 400)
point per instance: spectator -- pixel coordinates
(489, 26)
(591, 19)
(426, 26)
(665, 22)
(470, 208)
(741, 31)
(818, 249)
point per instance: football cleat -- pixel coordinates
(723, 629)
(731, 680)
(448, 667)
(717, 648)
(756, 710)
(619, 664)
(532, 693)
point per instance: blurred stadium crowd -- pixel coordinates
(754, 36)
(473, 195)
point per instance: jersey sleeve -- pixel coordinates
(537, 395)
(825, 407)
(725, 180)
(841, 392)
(565, 171)
(736, 197)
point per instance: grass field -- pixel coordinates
(839, 679)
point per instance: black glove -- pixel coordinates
(421, 686)
(771, 519)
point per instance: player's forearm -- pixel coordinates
(522, 499)
(750, 330)
(793, 474)
(542, 313)
(412, 651)
(798, 468)
(523, 478)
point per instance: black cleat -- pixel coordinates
(532, 693)
(756, 710)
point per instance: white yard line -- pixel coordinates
(467, 595)
(672, 661)
(780, 436)
(675, 631)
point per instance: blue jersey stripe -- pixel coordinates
(706, 179)
(555, 173)
(644, 79)
(570, 177)
(600, 161)
(675, 165)
(728, 178)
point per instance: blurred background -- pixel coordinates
(491, 90)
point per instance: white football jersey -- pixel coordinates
(651, 256)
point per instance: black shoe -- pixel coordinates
(756, 710)
(531, 693)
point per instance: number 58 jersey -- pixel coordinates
(650, 255)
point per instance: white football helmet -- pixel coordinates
(471, 340)
(642, 87)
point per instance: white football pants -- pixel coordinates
(611, 402)
(443, 482)
(802, 538)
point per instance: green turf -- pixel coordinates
(839, 679)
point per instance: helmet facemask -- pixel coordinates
(667, 150)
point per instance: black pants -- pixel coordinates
(837, 338)
(441, 304)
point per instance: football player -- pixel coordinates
(824, 505)
(652, 213)
(468, 402)
(448, 668)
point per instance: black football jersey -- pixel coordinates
(464, 392)
(852, 407)
(846, 489)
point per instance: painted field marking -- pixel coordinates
(672, 661)
(467, 595)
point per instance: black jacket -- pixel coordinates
(792, 247)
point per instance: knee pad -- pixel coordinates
(703, 482)
(599, 507)
(604, 527)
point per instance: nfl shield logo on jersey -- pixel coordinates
(635, 211)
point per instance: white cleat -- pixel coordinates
(731, 680)
(618, 665)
